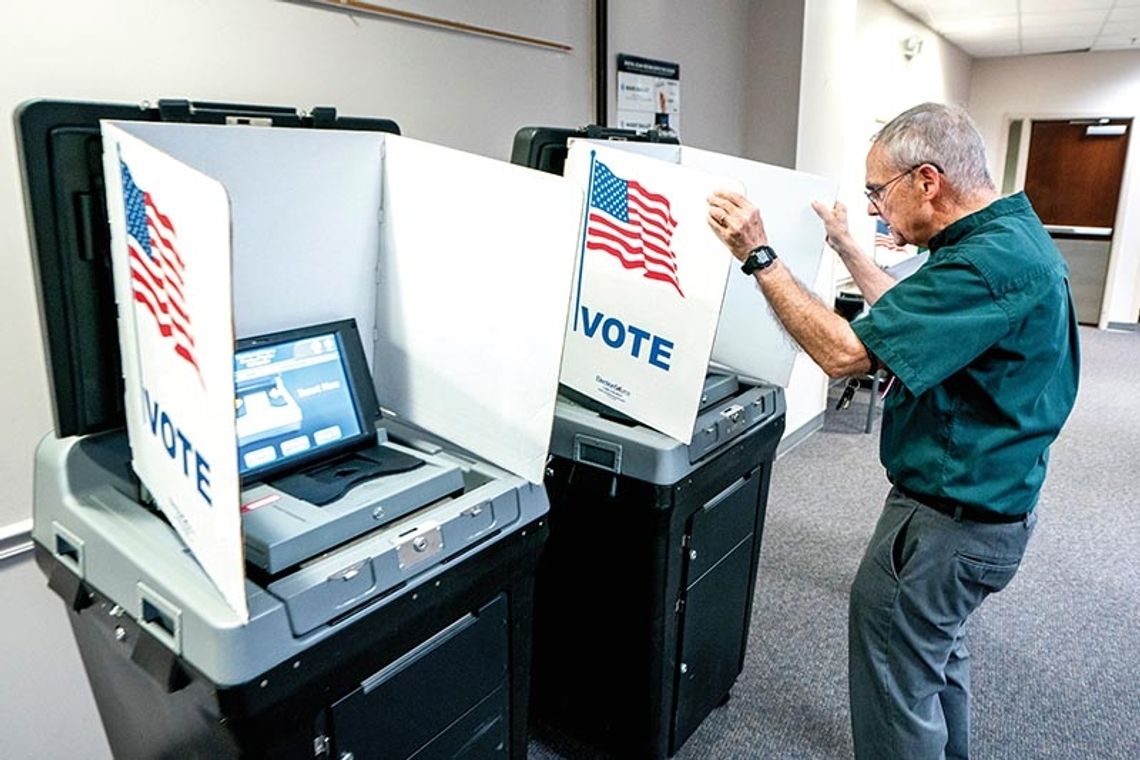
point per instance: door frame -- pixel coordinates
(1114, 252)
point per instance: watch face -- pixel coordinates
(761, 257)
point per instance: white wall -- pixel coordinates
(854, 77)
(821, 148)
(1065, 86)
(885, 83)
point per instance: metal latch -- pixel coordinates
(733, 419)
(350, 572)
(734, 414)
(419, 544)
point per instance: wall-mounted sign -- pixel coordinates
(645, 88)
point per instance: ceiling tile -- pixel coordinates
(1071, 30)
(989, 28)
(1063, 18)
(953, 26)
(1055, 45)
(1117, 42)
(1054, 6)
(992, 50)
(1124, 14)
(926, 9)
(1122, 28)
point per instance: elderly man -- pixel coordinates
(982, 343)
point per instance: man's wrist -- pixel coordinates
(759, 258)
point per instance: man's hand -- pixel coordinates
(736, 222)
(835, 222)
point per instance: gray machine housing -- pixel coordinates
(588, 433)
(88, 518)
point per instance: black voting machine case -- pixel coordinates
(434, 665)
(644, 593)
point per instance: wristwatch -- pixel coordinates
(760, 257)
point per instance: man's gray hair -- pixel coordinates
(939, 134)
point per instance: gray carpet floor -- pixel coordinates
(1056, 656)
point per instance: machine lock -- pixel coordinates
(418, 544)
(732, 420)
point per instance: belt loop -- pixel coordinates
(958, 513)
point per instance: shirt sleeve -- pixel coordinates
(932, 324)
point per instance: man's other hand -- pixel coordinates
(835, 222)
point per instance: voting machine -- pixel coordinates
(388, 572)
(644, 594)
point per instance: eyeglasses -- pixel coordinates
(876, 193)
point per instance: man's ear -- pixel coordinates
(932, 180)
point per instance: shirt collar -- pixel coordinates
(1012, 204)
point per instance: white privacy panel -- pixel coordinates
(749, 338)
(474, 284)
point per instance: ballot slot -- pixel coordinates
(605, 455)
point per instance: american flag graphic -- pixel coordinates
(884, 238)
(632, 224)
(157, 270)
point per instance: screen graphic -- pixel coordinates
(292, 399)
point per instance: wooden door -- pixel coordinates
(1073, 177)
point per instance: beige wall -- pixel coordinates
(1065, 86)
(709, 41)
(458, 90)
(772, 89)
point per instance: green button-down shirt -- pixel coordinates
(983, 339)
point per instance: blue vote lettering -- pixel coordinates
(617, 334)
(178, 447)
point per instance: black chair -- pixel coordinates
(850, 305)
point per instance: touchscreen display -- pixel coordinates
(293, 399)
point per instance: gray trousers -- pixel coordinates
(922, 575)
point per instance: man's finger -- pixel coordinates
(728, 197)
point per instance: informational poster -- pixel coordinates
(645, 88)
(648, 287)
(171, 259)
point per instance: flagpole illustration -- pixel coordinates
(582, 250)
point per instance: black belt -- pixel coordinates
(963, 511)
